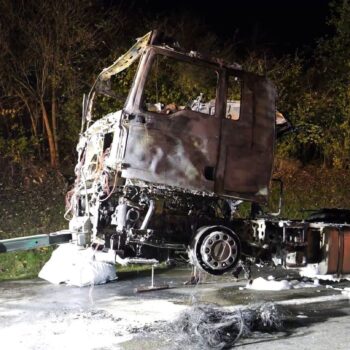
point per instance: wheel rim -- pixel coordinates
(216, 249)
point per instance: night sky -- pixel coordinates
(281, 25)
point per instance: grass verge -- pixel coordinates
(24, 264)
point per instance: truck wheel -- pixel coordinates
(215, 249)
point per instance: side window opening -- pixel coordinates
(173, 85)
(233, 103)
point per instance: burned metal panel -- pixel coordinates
(247, 144)
(102, 83)
(174, 150)
(332, 250)
(125, 60)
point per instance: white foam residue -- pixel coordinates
(321, 299)
(314, 271)
(75, 266)
(346, 291)
(261, 283)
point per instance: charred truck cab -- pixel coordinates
(168, 174)
(164, 175)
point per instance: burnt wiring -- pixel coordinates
(71, 195)
(69, 203)
(86, 193)
(113, 188)
(208, 326)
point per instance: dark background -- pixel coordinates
(282, 25)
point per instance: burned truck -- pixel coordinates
(168, 170)
(165, 174)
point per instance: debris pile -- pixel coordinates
(212, 327)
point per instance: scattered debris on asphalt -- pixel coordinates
(208, 326)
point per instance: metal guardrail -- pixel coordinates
(36, 241)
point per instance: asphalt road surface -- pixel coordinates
(37, 315)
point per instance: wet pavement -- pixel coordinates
(37, 315)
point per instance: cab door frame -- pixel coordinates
(247, 144)
(181, 149)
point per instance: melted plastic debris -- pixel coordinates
(212, 327)
(77, 267)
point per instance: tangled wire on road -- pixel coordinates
(209, 326)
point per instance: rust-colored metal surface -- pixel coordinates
(346, 251)
(337, 250)
(332, 241)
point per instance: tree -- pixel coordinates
(46, 51)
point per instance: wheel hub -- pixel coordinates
(215, 249)
(218, 250)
